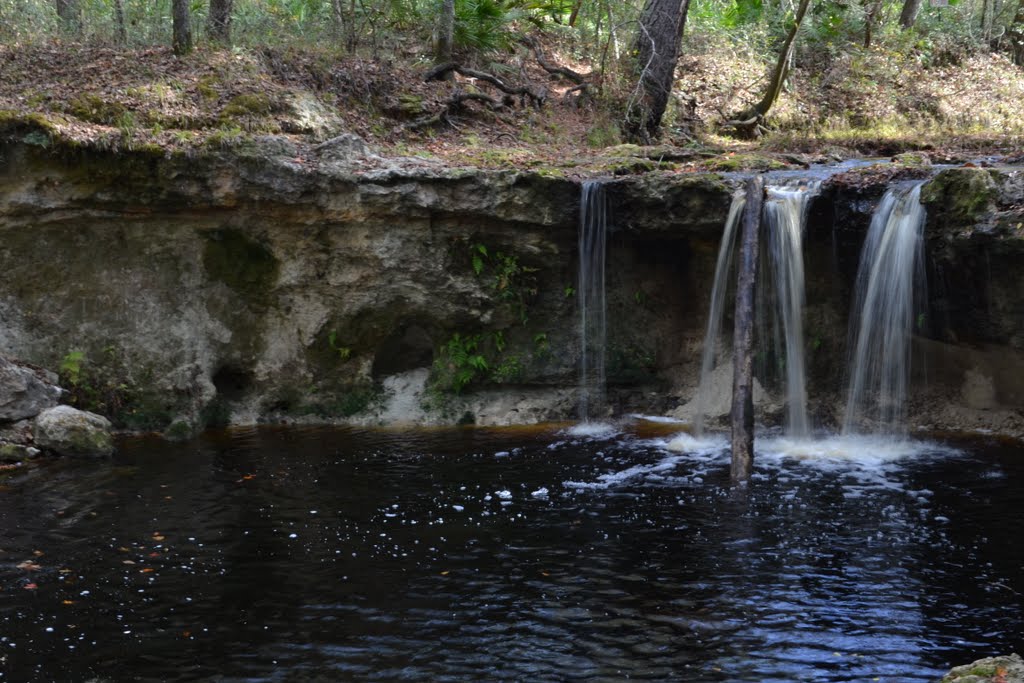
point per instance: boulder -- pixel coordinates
(1004, 669)
(24, 393)
(68, 431)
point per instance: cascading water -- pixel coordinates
(591, 296)
(889, 278)
(781, 292)
(723, 268)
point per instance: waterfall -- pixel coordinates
(591, 296)
(889, 278)
(781, 292)
(723, 267)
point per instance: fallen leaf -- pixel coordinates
(147, 570)
(30, 586)
(67, 602)
(28, 565)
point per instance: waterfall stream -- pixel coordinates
(723, 268)
(591, 297)
(781, 301)
(890, 279)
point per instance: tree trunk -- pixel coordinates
(574, 15)
(743, 337)
(657, 51)
(218, 22)
(70, 14)
(909, 14)
(753, 115)
(122, 30)
(1016, 33)
(182, 23)
(445, 32)
(873, 9)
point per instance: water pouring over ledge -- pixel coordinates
(780, 293)
(890, 279)
(593, 241)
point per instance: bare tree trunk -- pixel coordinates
(987, 19)
(1016, 33)
(869, 21)
(574, 15)
(752, 116)
(657, 51)
(445, 32)
(743, 337)
(122, 31)
(218, 22)
(182, 24)
(909, 14)
(70, 14)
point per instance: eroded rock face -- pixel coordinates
(267, 283)
(24, 392)
(67, 431)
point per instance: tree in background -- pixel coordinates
(748, 122)
(908, 16)
(218, 21)
(1016, 34)
(445, 32)
(182, 25)
(657, 51)
(70, 14)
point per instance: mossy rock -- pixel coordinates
(248, 104)
(1007, 669)
(97, 109)
(961, 196)
(747, 162)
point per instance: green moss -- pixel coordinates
(746, 162)
(249, 104)
(244, 265)
(179, 430)
(962, 196)
(96, 109)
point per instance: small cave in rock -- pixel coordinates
(409, 346)
(231, 383)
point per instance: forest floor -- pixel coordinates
(864, 103)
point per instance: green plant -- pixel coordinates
(344, 352)
(71, 367)
(459, 362)
(568, 290)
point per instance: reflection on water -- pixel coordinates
(545, 553)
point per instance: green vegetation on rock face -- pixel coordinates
(244, 265)
(962, 195)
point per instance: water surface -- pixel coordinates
(542, 554)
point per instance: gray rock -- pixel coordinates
(23, 393)
(1004, 669)
(68, 431)
(310, 116)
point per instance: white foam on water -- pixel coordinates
(697, 445)
(851, 450)
(660, 419)
(592, 430)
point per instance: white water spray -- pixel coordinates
(781, 292)
(723, 269)
(591, 296)
(882, 321)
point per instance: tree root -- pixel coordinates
(536, 97)
(452, 105)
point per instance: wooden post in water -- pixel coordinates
(743, 336)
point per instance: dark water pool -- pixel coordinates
(333, 555)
